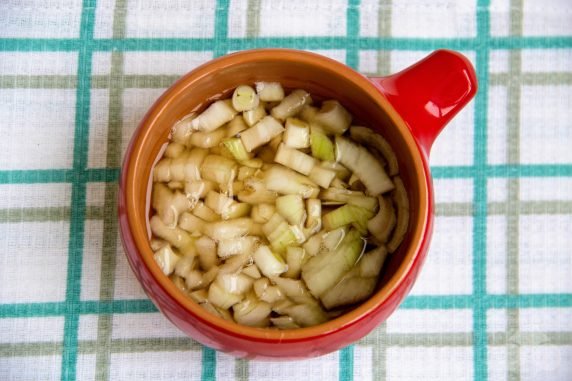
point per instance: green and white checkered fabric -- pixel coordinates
(494, 300)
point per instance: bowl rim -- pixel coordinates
(138, 229)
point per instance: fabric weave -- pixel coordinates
(494, 300)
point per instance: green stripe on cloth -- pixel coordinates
(110, 223)
(480, 359)
(513, 207)
(77, 219)
(346, 361)
(365, 43)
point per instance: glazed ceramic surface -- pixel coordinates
(409, 109)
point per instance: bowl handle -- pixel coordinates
(430, 93)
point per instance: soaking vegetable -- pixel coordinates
(272, 210)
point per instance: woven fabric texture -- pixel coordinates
(494, 300)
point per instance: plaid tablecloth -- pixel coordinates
(494, 300)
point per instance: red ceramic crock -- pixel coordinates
(409, 109)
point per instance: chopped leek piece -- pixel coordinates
(252, 312)
(322, 146)
(179, 283)
(364, 135)
(228, 229)
(255, 163)
(292, 208)
(275, 142)
(307, 315)
(325, 269)
(402, 203)
(166, 259)
(370, 263)
(162, 171)
(236, 148)
(332, 239)
(321, 176)
(236, 210)
(234, 283)
(255, 192)
(281, 306)
(314, 244)
(215, 116)
(260, 286)
(280, 234)
(204, 212)
(251, 117)
(333, 117)
(342, 172)
(270, 264)
(199, 296)
(351, 197)
(261, 133)
(345, 215)
(174, 150)
(175, 185)
(218, 169)
(364, 165)
(274, 222)
(382, 224)
(337, 183)
(295, 258)
(284, 322)
(174, 235)
(292, 104)
(314, 215)
(230, 189)
(244, 98)
(348, 291)
(183, 129)
(216, 311)
(168, 204)
(280, 242)
(206, 249)
(286, 181)
(235, 246)
(235, 126)
(218, 202)
(235, 263)
(191, 223)
(186, 167)
(294, 159)
(270, 91)
(252, 271)
(195, 190)
(245, 172)
(209, 276)
(261, 213)
(294, 289)
(297, 133)
(156, 243)
(266, 292)
(207, 139)
(185, 265)
(194, 280)
(307, 113)
(221, 298)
